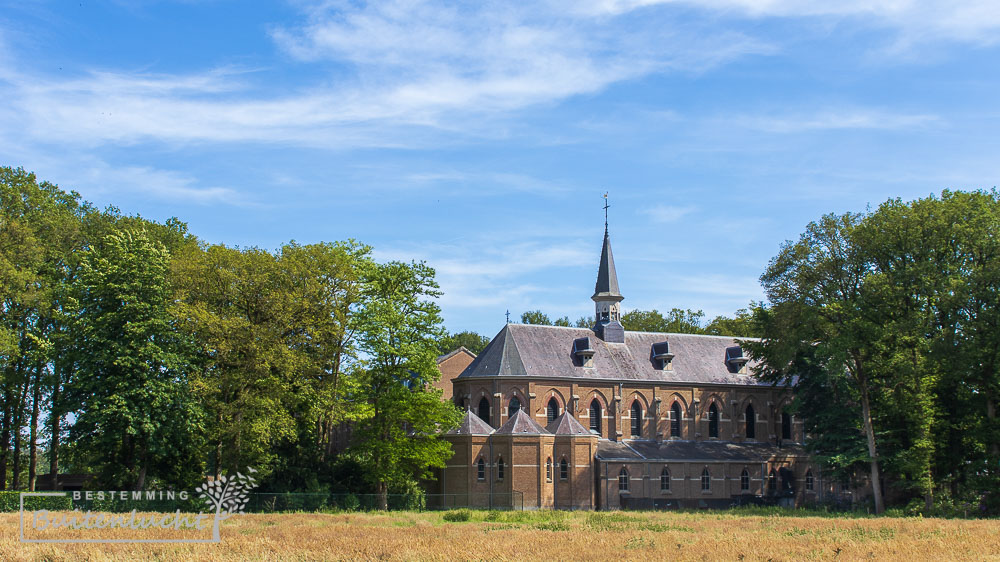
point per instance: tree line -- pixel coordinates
(675, 321)
(135, 352)
(887, 323)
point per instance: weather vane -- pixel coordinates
(606, 212)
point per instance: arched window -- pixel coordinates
(751, 422)
(713, 421)
(809, 480)
(772, 480)
(623, 480)
(480, 469)
(595, 416)
(514, 406)
(499, 468)
(548, 470)
(706, 480)
(563, 469)
(665, 480)
(553, 409)
(675, 420)
(786, 426)
(745, 480)
(636, 419)
(484, 410)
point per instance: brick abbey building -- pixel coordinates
(604, 418)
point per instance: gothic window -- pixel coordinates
(548, 470)
(553, 409)
(772, 480)
(786, 426)
(480, 469)
(484, 410)
(751, 421)
(706, 480)
(595, 416)
(623, 480)
(636, 419)
(499, 468)
(514, 406)
(745, 480)
(563, 469)
(713, 421)
(809, 480)
(664, 480)
(675, 420)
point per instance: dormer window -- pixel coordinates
(736, 361)
(584, 351)
(662, 357)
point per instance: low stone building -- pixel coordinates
(603, 418)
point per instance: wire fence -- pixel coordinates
(263, 502)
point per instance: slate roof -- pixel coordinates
(607, 277)
(526, 350)
(566, 424)
(472, 425)
(461, 349)
(636, 450)
(521, 424)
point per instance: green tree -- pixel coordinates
(740, 325)
(399, 328)
(469, 340)
(818, 314)
(535, 317)
(130, 387)
(677, 321)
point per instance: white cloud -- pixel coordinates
(668, 213)
(974, 21)
(834, 119)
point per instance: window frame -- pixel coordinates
(676, 413)
(635, 419)
(500, 468)
(665, 480)
(745, 480)
(810, 481)
(750, 431)
(596, 412)
(563, 469)
(623, 480)
(549, 414)
(548, 469)
(706, 480)
(713, 421)
(481, 470)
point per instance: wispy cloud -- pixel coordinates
(852, 118)
(665, 214)
(974, 21)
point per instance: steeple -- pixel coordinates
(606, 297)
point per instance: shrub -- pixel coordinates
(11, 501)
(457, 515)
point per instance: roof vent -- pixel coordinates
(736, 360)
(662, 355)
(583, 350)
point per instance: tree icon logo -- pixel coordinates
(228, 495)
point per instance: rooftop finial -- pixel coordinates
(606, 212)
(508, 316)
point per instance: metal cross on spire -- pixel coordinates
(508, 316)
(606, 212)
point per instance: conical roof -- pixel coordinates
(566, 424)
(521, 424)
(472, 425)
(501, 357)
(607, 277)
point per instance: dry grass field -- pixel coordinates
(551, 535)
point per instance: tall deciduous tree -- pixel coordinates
(133, 409)
(817, 309)
(399, 328)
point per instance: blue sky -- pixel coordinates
(480, 137)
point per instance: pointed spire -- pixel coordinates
(607, 278)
